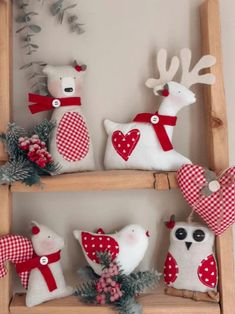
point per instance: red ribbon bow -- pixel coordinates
(45, 103)
(158, 122)
(41, 262)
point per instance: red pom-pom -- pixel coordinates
(165, 93)
(78, 68)
(171, 223)
(100, 231)
(35, 230)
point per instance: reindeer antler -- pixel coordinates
(166, 75)
(192, 77)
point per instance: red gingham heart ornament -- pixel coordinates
(217, 208)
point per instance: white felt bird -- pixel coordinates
(127, 247)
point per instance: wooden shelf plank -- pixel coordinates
(102, 180)
(152, 304)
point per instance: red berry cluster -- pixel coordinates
(108, 289)
(37, 150)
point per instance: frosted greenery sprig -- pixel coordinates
(60, 9)
(28, 30)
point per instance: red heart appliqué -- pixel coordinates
(217, 209)
(125, 144)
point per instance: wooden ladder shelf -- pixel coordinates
(112, 180)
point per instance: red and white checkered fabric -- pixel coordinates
(15, 249)
(217, 209)
(72, 137)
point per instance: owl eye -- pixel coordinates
(199, 235)
(181, 234)
(49, 237)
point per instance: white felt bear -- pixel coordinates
(70, 143)
(46, 280)
(146, 142)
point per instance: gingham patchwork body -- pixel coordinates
(15, 249)
(72, 137)
(70, 144)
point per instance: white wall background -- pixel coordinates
(119, 47)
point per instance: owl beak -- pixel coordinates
(188, 245)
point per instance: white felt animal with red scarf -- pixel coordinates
(146, 142)
(127, 247)
(70, 143)
(190, 263)
(46, 279)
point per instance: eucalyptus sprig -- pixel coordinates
(27, 30)
(60, 9)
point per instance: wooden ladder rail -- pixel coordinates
(218, 142)
(5, 105)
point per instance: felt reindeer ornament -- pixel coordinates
(70, 143)
(190, 263)
(146, 142)
(46, 279)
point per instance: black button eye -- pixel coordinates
(199, 235)
(49, 237)
(181, 234)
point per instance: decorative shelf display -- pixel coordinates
(157, 302)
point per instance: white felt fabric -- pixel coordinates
(46, 242)
(64, 82)
(133, 243)
(188, 260)
(148, 153)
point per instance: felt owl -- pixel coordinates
(190, 263)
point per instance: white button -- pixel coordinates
(214, 186)
(56, 103)
(43, 260)
(155, 119)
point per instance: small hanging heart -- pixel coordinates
(211, 197)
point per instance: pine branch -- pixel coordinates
(137, 282)
(12, 136)
(3, 137)
(105, 259)
(15, 170)
(128, 306)
(87, 273)
(87, 291)
(43, 130)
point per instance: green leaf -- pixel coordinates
(31, 13)
(35, 28)
(26, 66)
(34, 46)
(56, 7)
(22, 19)
(21, 29)
(72, 18)
(70, 7)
